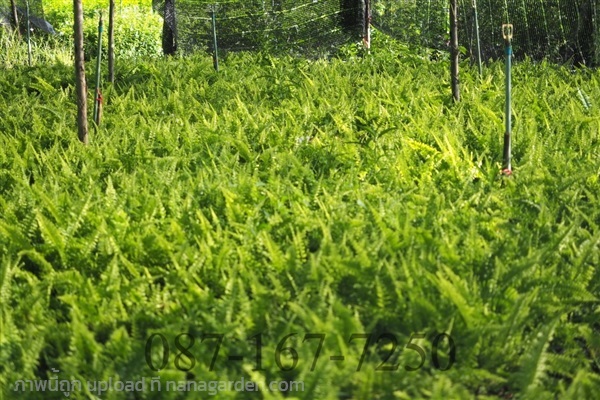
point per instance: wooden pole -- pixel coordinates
(15, 17)
(98, 101)
(479, 61)
(367, 26)
(80, 83)
(111, 42)
(215, 45)
(28, 33)
(454, 51)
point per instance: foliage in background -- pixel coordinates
(137, 28)
(417, 22)
(137, 34)
(46, 50)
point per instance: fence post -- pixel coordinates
(454, 50)
(15, 17)
(80, 84)
(28, 33)
(478, 38)
(213, 11)
(367, 25)
(98, 97)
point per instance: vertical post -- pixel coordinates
(454, 51)
(15, 17)
(80, 84)
(213, 11)
(478, 38)
(111, 42)
(367, 25)
(98, 102)
(28, 33)
(507, 33)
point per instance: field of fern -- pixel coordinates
(302, 209)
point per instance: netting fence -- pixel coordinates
(559, 30)
(301, 26)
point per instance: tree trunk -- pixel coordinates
(454, 51)
(169, 35)
(80, 83)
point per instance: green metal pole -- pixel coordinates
(478, 38)
(215, 46)
(97, 103)
(507, 33)
(28, 33)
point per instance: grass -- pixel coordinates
(289, 196)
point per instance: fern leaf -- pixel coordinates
(51, 234)
(535, 360)
(6, 272)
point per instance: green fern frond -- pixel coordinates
(6, 274)
(534, 362)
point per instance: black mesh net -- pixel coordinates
(559, 30)
(301, 26)
(36, 15)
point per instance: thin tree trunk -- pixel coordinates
(367, 24)
(169, 35)
(111, 42)
(15, 17)
(80, 83)
(454, 52)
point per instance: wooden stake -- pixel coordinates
(28, 33)
(367, 26)
(15, 16)
(98, 101)
(215, 45)
(454, 51)
(80, 83)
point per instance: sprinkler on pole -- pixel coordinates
(507, 33)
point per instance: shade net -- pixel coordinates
(559, 30)
(297, 26)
